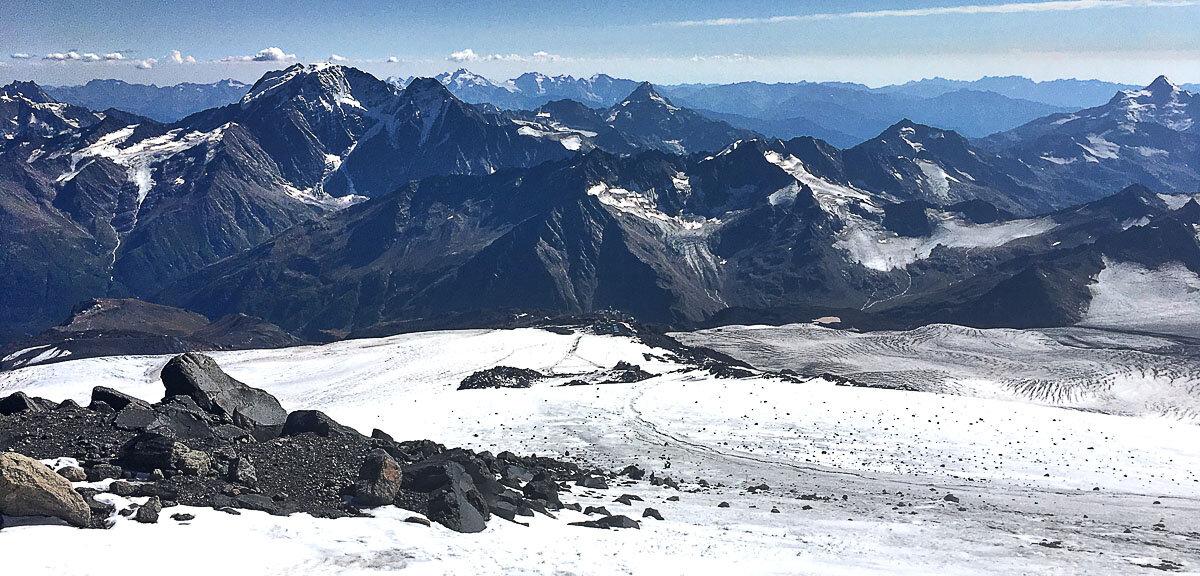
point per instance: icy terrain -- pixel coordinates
(1129, 296)
(1039, 489)
(1095, 370)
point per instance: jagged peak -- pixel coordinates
(1162, 84)
(423, 85)
(331, 76)
(27, 89)
(645, 93)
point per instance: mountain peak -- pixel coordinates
(27, 89)
(646, 94)
(644, 91)
(334, 82)
(1162, 84)
(427, 86)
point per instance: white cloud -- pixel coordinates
(336, 58)
(89, 57)
(469, 55)
(114, 56)
(146, 64)
(20, 56)
(734, 57)
(1009, 8)
(62, 56)
(543, 56)
(178, 57)
(393, 59)
(272, 54)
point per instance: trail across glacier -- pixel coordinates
(873, 465)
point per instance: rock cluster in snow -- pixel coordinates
(215, 441)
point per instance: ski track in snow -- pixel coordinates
(1023, 471)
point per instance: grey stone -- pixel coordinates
(200, 378)
(30, 488)
(148, 512)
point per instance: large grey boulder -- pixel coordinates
(454, 500)
(199, 377)
(18, 402)
(30, 488)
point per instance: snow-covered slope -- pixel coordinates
(858, 475)
(1077, 368)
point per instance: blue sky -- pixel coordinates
(870, 41)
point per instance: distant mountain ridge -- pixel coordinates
(842, 113)
(1147, 136)
(160, 103)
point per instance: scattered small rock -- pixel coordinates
(628, 499)
(148, 513)
(633, 472)
(593, 481)
(73, 473)
(606, 522)
(597, 510)
(120, 488)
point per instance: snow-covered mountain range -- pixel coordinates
(644, 206)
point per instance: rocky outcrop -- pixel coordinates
(30, 488)
(181, 452)
(19, 402)
(200, 378)
(501, 377)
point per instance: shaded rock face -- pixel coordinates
(19, 402)
(115, 399)
(379, 479)
(29, 488)
(147, 452)
(454, 501)
(199, 377)
(315, 422)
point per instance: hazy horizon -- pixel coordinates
(872, 42)
(250, 79)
